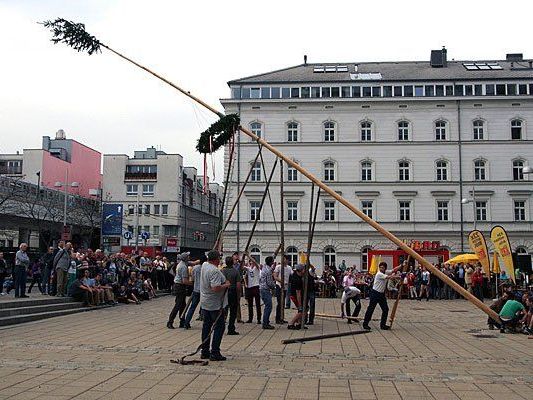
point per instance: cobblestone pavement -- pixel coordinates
(433, 352)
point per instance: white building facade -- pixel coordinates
(404, 142)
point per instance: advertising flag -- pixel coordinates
(374, 265)
(496, 264)
(499, 238)
(477, 243)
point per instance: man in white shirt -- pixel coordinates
(350, 293)
(251, 291)
(277, 277)
(377, 296)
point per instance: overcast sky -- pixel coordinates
(114, 107)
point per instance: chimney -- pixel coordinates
(305, 59)
(438, 58)
(514, 57)
(444, 57)
(60, 135)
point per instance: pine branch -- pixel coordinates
(73, 34)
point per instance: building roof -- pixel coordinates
(391, 71)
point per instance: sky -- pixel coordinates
(114, 107)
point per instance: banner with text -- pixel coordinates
(499, 238)
(478, 245)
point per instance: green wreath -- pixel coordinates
(221, 133)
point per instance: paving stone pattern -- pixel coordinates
(434, 351)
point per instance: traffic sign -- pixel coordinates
(145, 235)
(127, 235)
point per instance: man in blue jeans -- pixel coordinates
(266, 286)
(213, 299)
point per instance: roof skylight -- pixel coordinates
(484, 66)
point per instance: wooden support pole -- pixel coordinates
(397, 301)
(307, 263)
(320, 337)
(282, 241)
(254, 226)
(435, 271)
(217, 244)
(230, 215)
(335, 316)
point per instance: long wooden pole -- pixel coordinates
(397, 301)
(307, 263)
(320, 337)
(282, 243)
(435, 271)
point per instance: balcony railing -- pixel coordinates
(147, 176)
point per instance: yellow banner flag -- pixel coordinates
(496, 264)
(477, 243)
(499, 238)
(374, 265)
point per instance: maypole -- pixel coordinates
(75, 35)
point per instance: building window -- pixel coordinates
(292, 174)
(364, 258)
(292, 211)
(148, 189)
(367, 207)
(516, 129)
(147, 209)
(329, 171)
(442, 170)
(478, 127)
(442, 210)
(329, 131)
(329, 211)
(132, 190)
(329, 256)
(256, 172)
(255, 210)
(164, 209)
(480, 170)
(155, 230)
(404, 171)
(146, 229)
(255, 253)
(481, 210)
(519, 210)
(292, 132)
(257, 129)
(366, 171)
(292, 255)
(366, 131)
(440, 130)
(518, 172)
(521, 250)
(403, 131)
(405, 210)
(157, 209)
(131, 209)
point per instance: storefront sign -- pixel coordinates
(418, 245)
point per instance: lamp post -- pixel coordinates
(473, 201)
(66, 185)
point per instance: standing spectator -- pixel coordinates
(348, 279)
(251, 291)
(48, 260)
(233, 276)
(468, 277)
(424, 283)
(3, 273)
(61, 265)
(460, 273)
(296, 289)
(181, 281)
(279, 285)
(266, 286)
(22, 262)
(411, 285)
(36, 276)
(477, 283)
(212, 301)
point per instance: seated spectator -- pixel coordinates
(497, 307)
(107, 290)
(528, 316)
(80, 292)
(511, 313)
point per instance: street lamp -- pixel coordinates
(473, 201)
(66, 185)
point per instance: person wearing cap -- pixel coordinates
(181, 282)
(377, 295)
(350, 293)
(213, 300)
(296, 289)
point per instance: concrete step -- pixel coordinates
(9, 312)
(19, 319)
(34, 300)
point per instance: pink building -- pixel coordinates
(59, 160)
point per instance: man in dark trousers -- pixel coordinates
(377, 296)
(234, 277)
(213, 300)
(181, 281)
